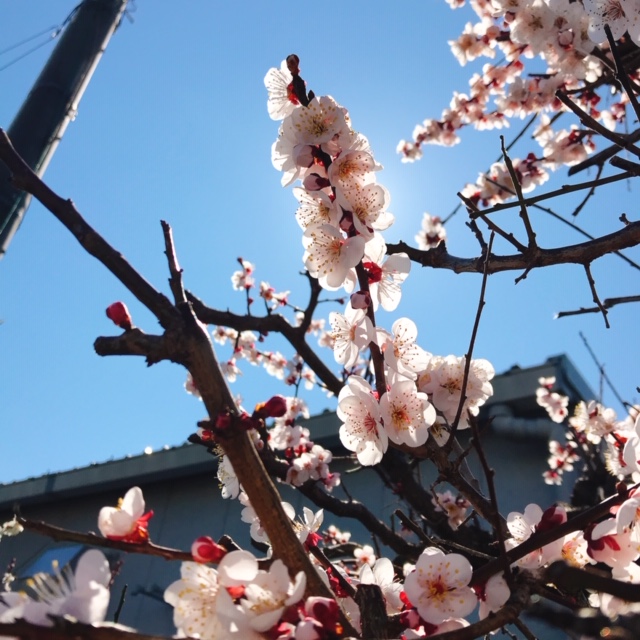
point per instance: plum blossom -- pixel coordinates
(368, 207)
(555, 403)
(243, 280)
(353, 170)
(406, 412)
(315, 208)
(385, 273)
(249, 515)
(613, 606)
(438, 586)
(608, 546)
(455, 508)
(194, 598)
(628, 514)
(329, 256)
(281, 101)
(264, 598)
(12, 607)
(402, 354)
(229, 484)
(561, 459)
(365, 555)
(594, 420)
(11, 527)
(432, 232)
(362, 430)
(271, 297)
(443, 378)
(190, 386)
(383, 574)
(620, 15)
(127, 521)
(222, 334)
(575, 550)
(315, 124)
(83, 594)
(312, 463)
(352, 333)
(523, 525)
(492, 596)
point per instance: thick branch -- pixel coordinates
(190, 346)
(135, 343)
(64, 629)
(581, 253)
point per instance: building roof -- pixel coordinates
(514, 388)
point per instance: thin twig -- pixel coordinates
(146, 548)
(564, 189)
(531, 236)
(489, 474)
(594, 293)
(590, 193)
(509, 237)
(602, 156)
(602, 370)
(347, 587)
(621, 75)
(607, 303)
(175, 280)
(472, 341)
(593, 124)
(542, 538)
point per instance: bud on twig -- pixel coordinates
(119, 315)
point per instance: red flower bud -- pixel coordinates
(119, 315)
(275, 407)
(246, 422)
(223, 420)
(204, 549)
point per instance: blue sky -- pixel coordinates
(174, 126)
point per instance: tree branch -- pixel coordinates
(92, 539)
(581, 253)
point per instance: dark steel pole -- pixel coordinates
(53, 100)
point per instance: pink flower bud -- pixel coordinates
(303, 155)
(119, 315)
(315, 182)
(204, 549)
(360, 299)
(275, 407)
(206, 435)
(325, 610)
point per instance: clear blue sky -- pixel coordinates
(174, 126)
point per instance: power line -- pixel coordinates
(55, 31)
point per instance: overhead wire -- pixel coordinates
(54, 31)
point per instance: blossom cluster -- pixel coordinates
(561, 35)
(343, 212)
(590, 426)
(245, 345)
